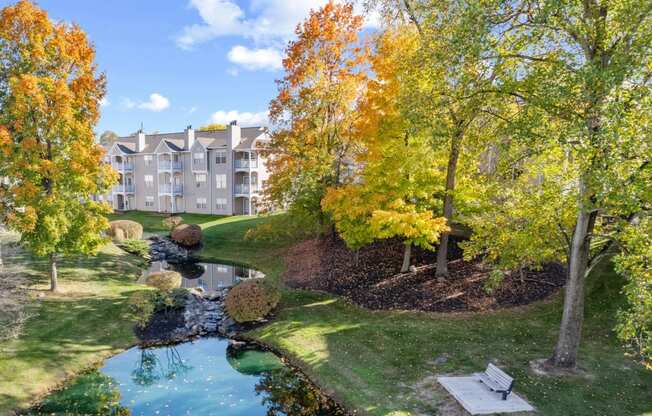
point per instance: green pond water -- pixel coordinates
(206, 377)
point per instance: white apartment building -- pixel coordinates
(206, 172)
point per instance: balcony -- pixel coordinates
(245, 188)
(123, 167)
(246, 164)
(170, 189)
(169, 165)
(121, 189)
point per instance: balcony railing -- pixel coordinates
(245, 163)
(170, 189)
(245, 188)
(124, 188)
(168, 165)
(124, 167)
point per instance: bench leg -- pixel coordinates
(505, 395)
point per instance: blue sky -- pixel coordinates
(171, 63)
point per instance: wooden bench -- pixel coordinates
(496, 380)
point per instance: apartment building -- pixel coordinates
(206, 172)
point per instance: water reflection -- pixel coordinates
(206, 377)
(208, 276)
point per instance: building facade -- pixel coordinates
(217, 172)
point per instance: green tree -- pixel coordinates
(49, 104)
(582, 69)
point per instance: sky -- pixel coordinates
(174, 63)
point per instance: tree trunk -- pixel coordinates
(570, 332)
(53, 273)
(442, 253)
(407, 254)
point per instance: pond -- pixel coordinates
(208, 276)
(206, 377)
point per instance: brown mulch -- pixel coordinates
(375, 282)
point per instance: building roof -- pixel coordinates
(210, 139)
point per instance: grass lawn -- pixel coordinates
(378, 363)
(69, 332)
(382, 363)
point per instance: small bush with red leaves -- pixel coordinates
(188, 235)
(251, 300)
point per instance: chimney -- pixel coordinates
(140, 141)
(190, 137)
(233, 134)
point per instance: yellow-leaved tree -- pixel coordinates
(49, 104)
(392, 192)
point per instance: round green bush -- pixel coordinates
(122, 230)
(166, 280)
(251, 300)
(188, 235)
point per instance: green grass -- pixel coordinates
(378, 363)
(382, 363)
(69, 332)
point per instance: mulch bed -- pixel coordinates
(375, 282)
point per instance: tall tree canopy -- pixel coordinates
(49, 104)
(582, 78)
(392, 193)
(314, 111)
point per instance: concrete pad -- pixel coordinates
(477, 399)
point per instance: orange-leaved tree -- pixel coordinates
(393, 194)
(314, 111)
(49, 103)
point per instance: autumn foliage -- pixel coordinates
(49, 105)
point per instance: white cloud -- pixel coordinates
(266, 22)
(104, 102)
(254, 59)
(156, 102)
(244, 119)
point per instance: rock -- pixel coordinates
(413, 269)
(442, 359)
(188, 235)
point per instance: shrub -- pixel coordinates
(171, 222)
(142, 305)
(122, 230)
(285, 227)
(187, 234)
(165, 280)
(137, 247)
(251, 300)
(141, 308)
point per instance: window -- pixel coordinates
(222, 269)
(198, 158)
(201, 203)
(149, 201)
(220, 158)
(148, 160)
(200, 179)
(220, 181)
(220, 203)
(149, 181)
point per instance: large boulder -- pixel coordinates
(188, 235)
(165, 280)
(122, 230)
